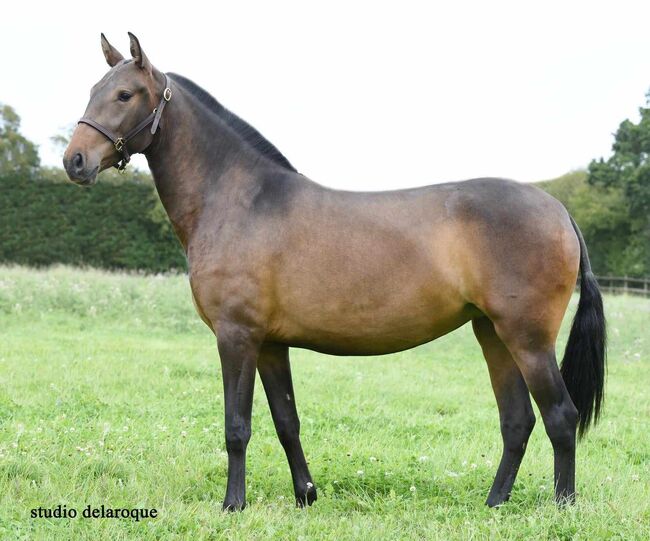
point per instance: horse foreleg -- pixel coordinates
(238, 352)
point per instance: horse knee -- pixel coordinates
(237, 437)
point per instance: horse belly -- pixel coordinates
(391, 316)
(369, 343)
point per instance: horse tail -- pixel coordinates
(583, 366)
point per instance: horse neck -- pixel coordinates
(194, 156)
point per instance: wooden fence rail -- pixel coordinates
(624, 285)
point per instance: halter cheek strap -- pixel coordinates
(120, 143)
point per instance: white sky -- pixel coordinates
(360, 95)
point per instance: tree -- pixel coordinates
(18, 155)
(628, 170)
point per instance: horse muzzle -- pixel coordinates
(79, 170)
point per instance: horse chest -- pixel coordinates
(228, 288)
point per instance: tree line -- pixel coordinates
(120, 223)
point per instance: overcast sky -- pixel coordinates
(360, 96)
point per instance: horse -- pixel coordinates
(276, 260)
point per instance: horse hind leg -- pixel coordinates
(515, 410)
(275, 372)
(533, 349)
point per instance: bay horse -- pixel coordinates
(277, 261)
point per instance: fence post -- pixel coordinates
(624, 285)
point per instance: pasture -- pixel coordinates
(110, 393)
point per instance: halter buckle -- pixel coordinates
(119, 144)
(167, 94)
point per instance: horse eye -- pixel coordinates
(124, 96)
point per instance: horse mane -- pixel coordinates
(243, 129)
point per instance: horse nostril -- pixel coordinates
(78, 161)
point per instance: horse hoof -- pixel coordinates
(497, 501)
(230, 506)
(307, 497)
(564, 499)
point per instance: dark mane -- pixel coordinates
(247, 133)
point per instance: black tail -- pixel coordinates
(583, 366)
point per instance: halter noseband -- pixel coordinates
(120, 142)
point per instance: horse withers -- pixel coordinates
(277, 261)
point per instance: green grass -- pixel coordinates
(110, 393)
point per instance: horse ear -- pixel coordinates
(138, 55)
(112, 55)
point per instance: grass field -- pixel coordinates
(110, 393)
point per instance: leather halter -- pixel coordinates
(120, 143)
